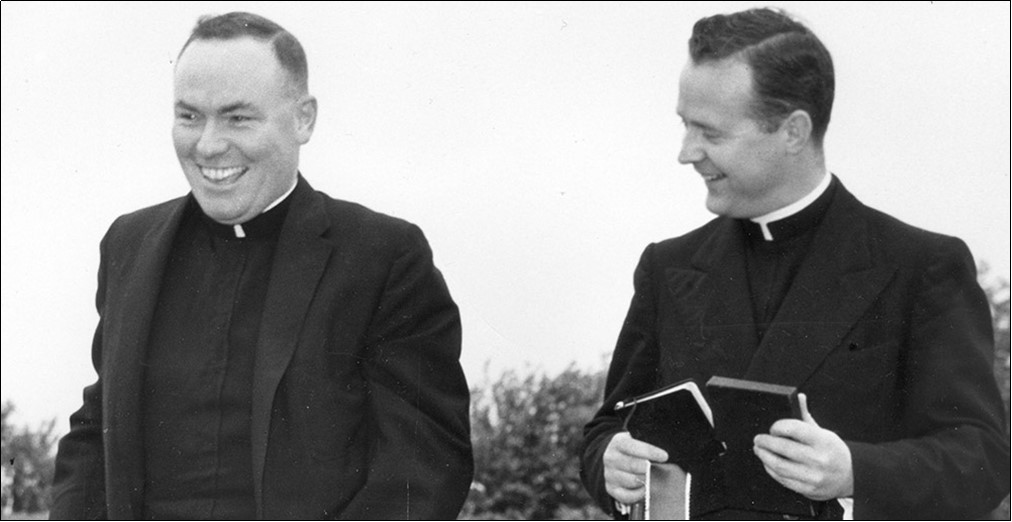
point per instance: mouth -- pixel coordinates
(223, 175)
(712, 177)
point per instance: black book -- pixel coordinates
(717, 430)
(742, 410)
(677, 419)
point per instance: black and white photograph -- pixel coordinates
(401, 260)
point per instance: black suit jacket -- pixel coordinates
(884, 328)
(360, 406)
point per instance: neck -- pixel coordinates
(821, 184)
(809, 172)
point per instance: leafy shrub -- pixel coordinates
(28, 463)
(526, 432)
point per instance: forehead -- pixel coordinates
(715, 91)
(241, 67)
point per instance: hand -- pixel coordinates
(806, 458)
(625, 465)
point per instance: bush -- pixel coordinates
(28, 463)
(997, 290)
(526, 433)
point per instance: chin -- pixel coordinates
(729, 207)
(716, 207)
(220, 217)
(221, 212)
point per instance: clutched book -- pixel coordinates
(709, 439)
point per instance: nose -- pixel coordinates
(691, 151)
(212, 142)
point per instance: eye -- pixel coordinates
(709, 134)
(186, 116)
(239, 118)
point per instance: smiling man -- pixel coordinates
(880, 325)
(264, 350)
(240, 118)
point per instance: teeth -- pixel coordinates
(712, 177)
(221, 174)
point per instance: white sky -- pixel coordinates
(534, 143)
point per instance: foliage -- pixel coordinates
(997, 290)
(28, 463)
(526, 432)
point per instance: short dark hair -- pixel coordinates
(239, 24)
(791, 68)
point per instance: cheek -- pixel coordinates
(729, 159)
(765, 155)
(257, 146)
(746, 161)
(275, 149)
(183, 140)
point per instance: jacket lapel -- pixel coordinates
(833, 288)
(299, 261)
(713, 301)
(134, 281)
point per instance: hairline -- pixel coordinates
(294, 88)
(769, 111)
(766, 123)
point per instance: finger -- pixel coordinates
(805, 414)
(624, 487)
(624, 480)
(629, 455)
(779, 467)
(767, 457)
(774, 463)
(804, 487)
(798, 486)
(627, 496)
(630, 447)
(801, 431)
(622, 462)
(787, 448)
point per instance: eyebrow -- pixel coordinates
(185, 106)
(699, 124)
(238, 106)
(233, 107)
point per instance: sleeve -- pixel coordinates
(422, 465)
(953, 459)
(79, 481)
(633, 371)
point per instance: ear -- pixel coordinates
(305, 118)
(797, 131)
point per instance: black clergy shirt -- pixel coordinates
(198, 377)
(773, 263)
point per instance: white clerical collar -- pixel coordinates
(289, 191)
(764, 220)
(237, 228)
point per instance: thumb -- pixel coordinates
(805, 414)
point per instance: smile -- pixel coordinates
(222, 176)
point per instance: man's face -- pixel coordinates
(741, 163)
(238, 126)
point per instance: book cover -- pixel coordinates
(748, 408)
(675, 418)
(700, 432)
(743, 409)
